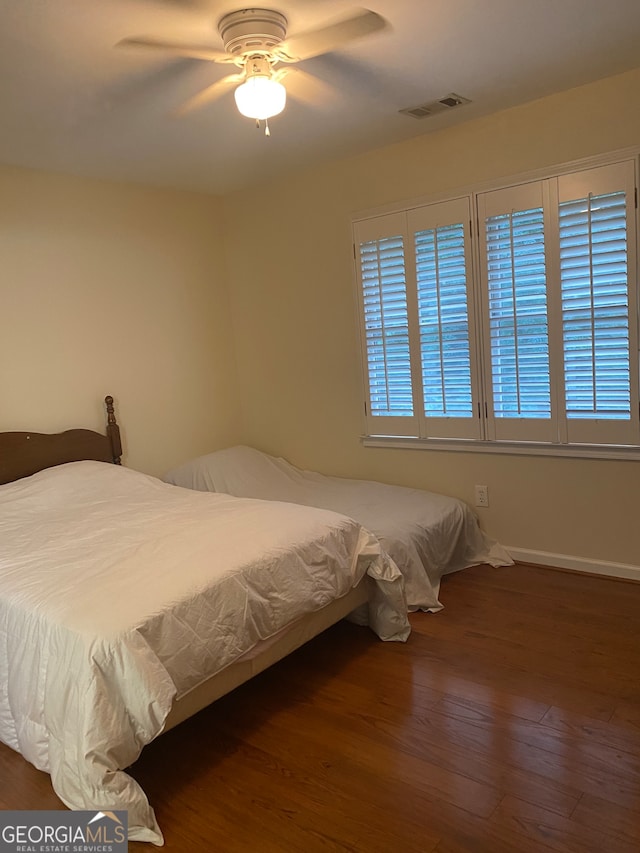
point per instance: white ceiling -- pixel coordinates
(71, 102)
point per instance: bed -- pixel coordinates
(127, 605)
(428, 535)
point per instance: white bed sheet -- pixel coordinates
(427, 535)
(119, 593)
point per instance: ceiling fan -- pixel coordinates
(255, 41)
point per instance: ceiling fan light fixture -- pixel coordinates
(260, 98)
(255, 40)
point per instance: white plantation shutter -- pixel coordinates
(518, 315)
(380, 257)
(529, 334)
(445, 319)
(444, 324)
(387, 326)
(599, 327)
(518, 358)
(595, 307)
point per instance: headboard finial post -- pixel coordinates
(113, 430)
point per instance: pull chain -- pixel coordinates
(267, 132)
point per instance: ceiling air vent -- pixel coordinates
(433, 107)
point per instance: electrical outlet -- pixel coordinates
(482, 495)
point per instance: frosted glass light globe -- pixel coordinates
(260, 98)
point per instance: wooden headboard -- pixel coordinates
(26, 453)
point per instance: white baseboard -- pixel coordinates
(577, 564)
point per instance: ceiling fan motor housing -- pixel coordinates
(252, 31)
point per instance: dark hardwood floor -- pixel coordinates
(508, 723)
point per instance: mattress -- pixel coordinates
(426, 534)
(120, 594)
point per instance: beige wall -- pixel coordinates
(113, 289)
(296, 329)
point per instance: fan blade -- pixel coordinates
(326, 39)
(305, 87)
(210, 93)
(191, 51)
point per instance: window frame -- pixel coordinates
(489, 437)
(528, 195)
(371, 230)
(422, 219)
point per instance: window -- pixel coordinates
(387, 326)
(505, 316)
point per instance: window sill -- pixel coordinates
(580, 451)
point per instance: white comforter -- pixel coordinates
(426, 534)
(119, 593)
